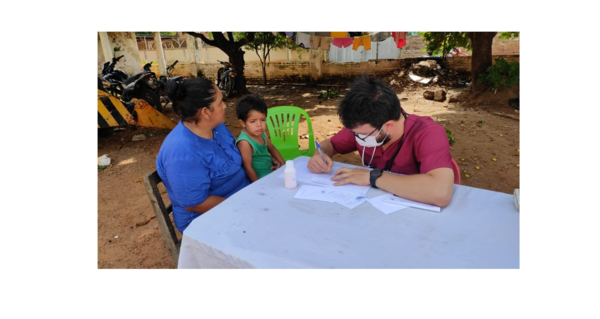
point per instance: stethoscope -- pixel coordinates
(389, 165)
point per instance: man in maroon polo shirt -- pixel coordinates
(389, 140)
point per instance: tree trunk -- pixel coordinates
(481, 60)
(264, 69)
(237, 60)
(234, 51)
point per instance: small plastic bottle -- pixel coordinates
(290, 175)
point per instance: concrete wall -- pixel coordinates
(308, 65)
(130, 63)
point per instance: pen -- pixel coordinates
(321, 152)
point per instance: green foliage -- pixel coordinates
(102, 167)
(501, 74)
(328, 94)
(266, 41)
(146, 33)
(508, 35)
(450, 138)
(435, 42)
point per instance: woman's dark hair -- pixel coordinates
(193, 95)
(369, 101)
(250, 103)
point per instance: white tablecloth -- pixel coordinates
(263, 226)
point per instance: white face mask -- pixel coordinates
(370, 141)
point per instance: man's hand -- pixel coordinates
(358, 176)
(316, 164)
(276, 163)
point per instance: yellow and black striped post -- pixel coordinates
(112, 113)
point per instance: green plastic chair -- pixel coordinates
(283, 122)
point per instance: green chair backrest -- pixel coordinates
(283, 122)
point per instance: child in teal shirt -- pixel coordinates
(259, 156)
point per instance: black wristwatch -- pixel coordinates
(375, 174)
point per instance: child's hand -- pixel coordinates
(276, 163)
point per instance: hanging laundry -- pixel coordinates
(317, 42)
(325, 43)
(364, 40)
(380, 36)
(342, 42)
(303, 40)
(399, 38)
(342, 35)
(323, 34)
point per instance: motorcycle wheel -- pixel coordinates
(149, 96)
(228, 87)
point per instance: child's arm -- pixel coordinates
(274, 152)
(246, 152)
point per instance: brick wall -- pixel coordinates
(303, 71)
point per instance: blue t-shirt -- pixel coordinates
(192, 168)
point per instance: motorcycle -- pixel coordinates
(129, 87)
(157, 85)
(164, 80)
(114, 77)
(226, 78)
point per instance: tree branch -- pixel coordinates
(201, 36)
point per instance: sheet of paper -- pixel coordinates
(313, 193)
(385, 207)
(303, 174)
(350, 200)
(402, 201)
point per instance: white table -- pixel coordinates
(263, 226)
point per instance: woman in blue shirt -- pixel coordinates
(198, 161)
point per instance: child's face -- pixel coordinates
(255, 124)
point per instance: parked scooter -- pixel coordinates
(226, 78)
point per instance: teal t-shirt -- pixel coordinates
(261, 158)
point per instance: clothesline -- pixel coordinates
(342, 40)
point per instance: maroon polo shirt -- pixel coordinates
(425, 148)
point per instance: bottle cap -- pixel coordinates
(289, 163)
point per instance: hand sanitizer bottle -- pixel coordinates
(290, 175)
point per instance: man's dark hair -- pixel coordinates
(369, 101)
(192, 95)
(250, 103)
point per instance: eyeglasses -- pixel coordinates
(358, 136)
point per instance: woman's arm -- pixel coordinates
(246, 152)
(210, 202)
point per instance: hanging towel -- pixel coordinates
(303, 40)
(325, 43)
(342, 42)
(399, 38)
(339, 35)
(364, 40)
(315, 40)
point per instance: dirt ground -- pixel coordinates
(485, 129)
